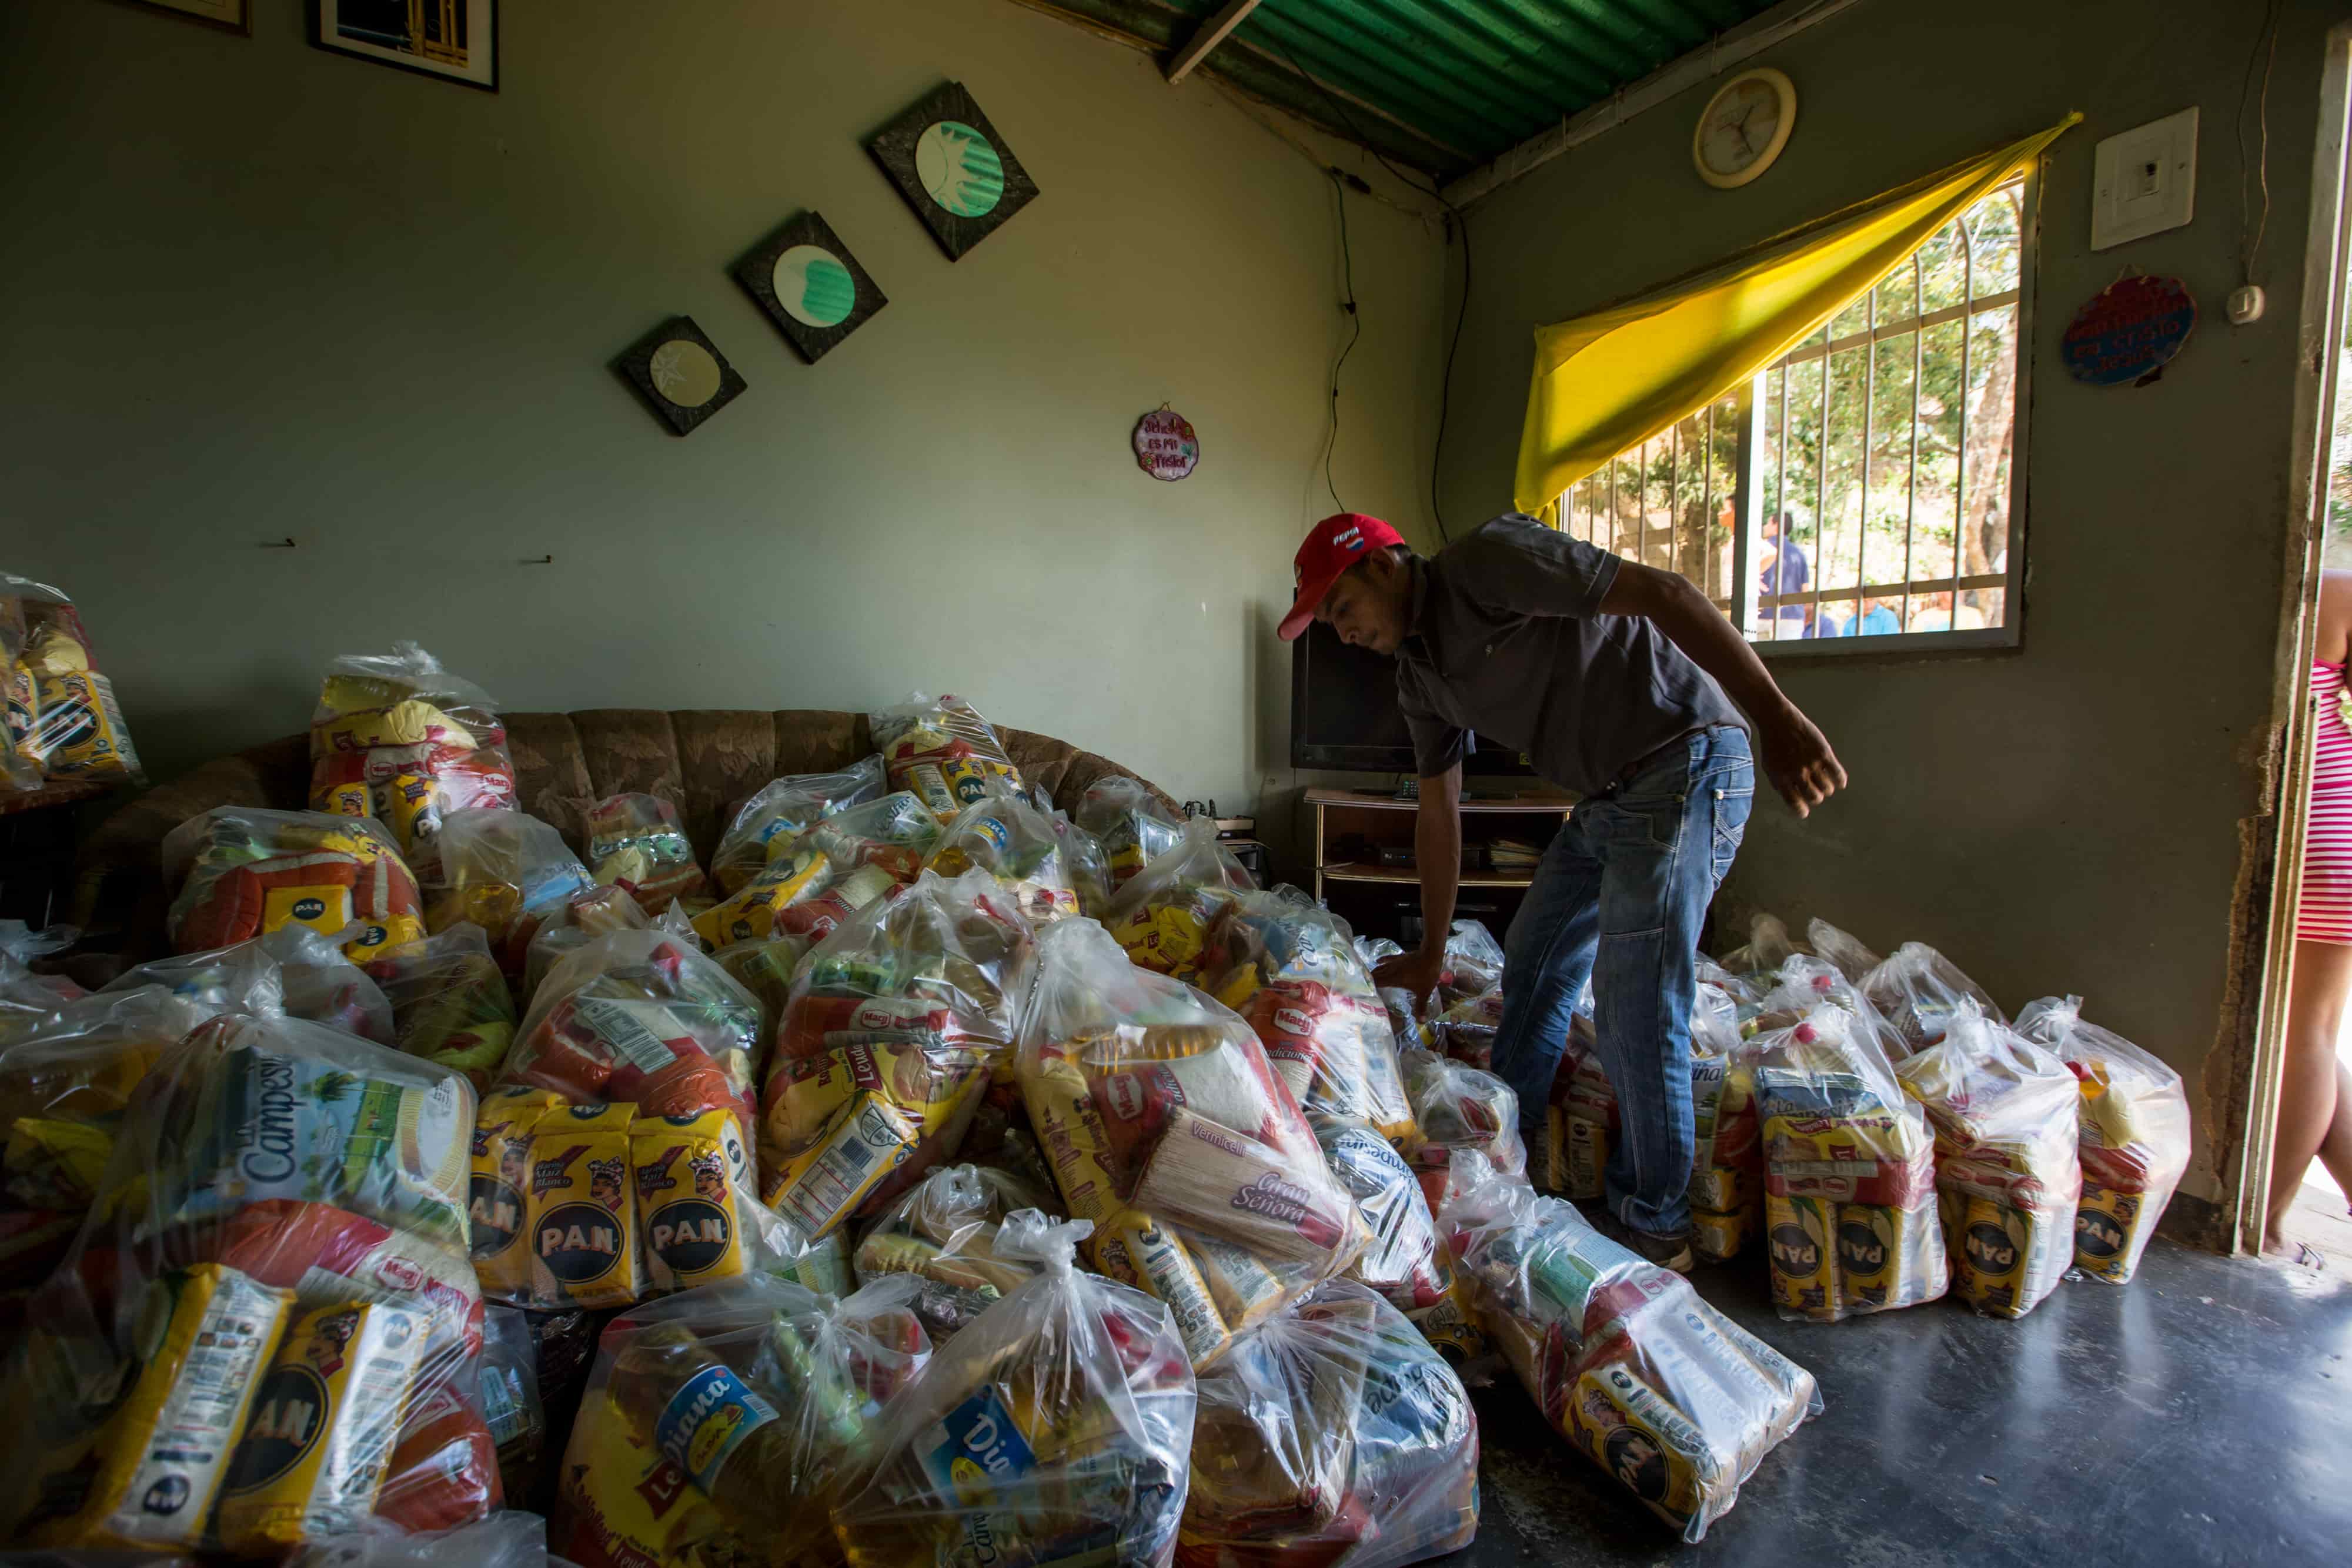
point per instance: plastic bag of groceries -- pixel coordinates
(1473, 965)
(941, 750)
(397, 738)
(1004, 834)
(2135, 1137)
(896, 1022)
(449, 1002)
(1853, 960)
(777, 815)
(765, 967)
(636, 842)
(62, 717)
(1289, 967)
(1919, 991)
(1768, 947)
(267, 1335)
(27, 1000)
(513, 1405)
(1170, 1130)
(1805, 983)
(292, 972)
(943, 1233)
(1850, 1216)
(1090, 867)
(1674, 1400)
(1405, 1025)
(893, 835)
(504, 1539)
(718, 1424)
(65, 1085)
(1163, 916)
(1055, 1427)
(1134, 828)
(2006, 1179)
(576, 922)
(1465, 1029)
(506, 871)
(642, 1017)
(1580, 1118)
(774, 902)
(244, 870)
(1726, 1188)
(1333, 1434)
(1459, 1108)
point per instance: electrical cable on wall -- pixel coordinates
(1355, 330)
(2251, 228)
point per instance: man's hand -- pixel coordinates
(1416, 974)
(1798, 759)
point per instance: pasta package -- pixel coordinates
(245, 870)
(399, 739)
(941, 751)
(769, 825)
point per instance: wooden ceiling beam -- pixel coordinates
(1211, 34)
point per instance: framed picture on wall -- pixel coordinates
(953, 169)
(811, 288)
(229, 16)
(456, 41)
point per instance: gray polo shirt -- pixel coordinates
(1506, 639)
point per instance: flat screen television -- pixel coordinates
(1344, 714)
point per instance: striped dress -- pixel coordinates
(2324, 911)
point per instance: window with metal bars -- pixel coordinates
(1861, 490)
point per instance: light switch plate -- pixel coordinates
(2144, 181)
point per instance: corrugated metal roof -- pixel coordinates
(1474, 78)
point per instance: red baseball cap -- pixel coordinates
(1332, 546)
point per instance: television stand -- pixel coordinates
(1373, 891)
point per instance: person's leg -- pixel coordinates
(1547, 958)
(2307, 1099)
(2336, 1148)
(1668, 838)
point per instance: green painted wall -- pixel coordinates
(2068, 817)
(253, 290)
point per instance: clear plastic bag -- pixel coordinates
(1853, 960)
(642, 1017)
(449, 1002)
(397, 738)
(571, 924)
(2135, 1135)
(1581, 1119)
(1727, 1190)
(1334, 1435)
(1768, 947)
(2006, 1179)
(765, 967)
(896, 1022)
(1466, 1031)
(28, 1000)
(1168, 1129)
(241, 872)
(1460, 1108)
(506, 871)
(892, 836)
(1134, 828)
(943, 1233)
(1804, 983)
(1850, 1217)
(1163, 915)
(1089, 869)
(1473, 965)
(1919, 991)
(1674, 1400)
(636, 842)
(774, 818)
(718, 1424)
(513, 1405)
(62, 717)
(1003, 833)
(1055, 1427)
(941, 751)
(275, 1285)
(1405, 1025)
(773, 903)
(506, 1540)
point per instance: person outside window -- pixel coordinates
(1785, 571)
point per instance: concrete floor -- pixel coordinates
(2201, 1415)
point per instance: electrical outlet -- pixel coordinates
(2144, 181)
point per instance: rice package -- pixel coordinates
(770, 822)
(2004, 1113)
(243, 870)
(1332, 1433)
(449, 1001)
(1674, 1400)
(506, 871)
(2135, 1135)
(1132, 825)
(636, 842)
(942, 751)
(1056, 1428)
(1167, 1127)
(275, 1277)
(1460, 1108)
(1850, 1223)
(942, 1232)
(1919, 991)
(62, 719)
(397, 738)
(895, 1024)
(1003, 833)
(642, 1017)
(720, 1424)
(1163, 915)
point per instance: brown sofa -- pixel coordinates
(705, 759)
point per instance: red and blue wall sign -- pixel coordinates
(2128, 332)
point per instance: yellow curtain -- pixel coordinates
(1605, 382)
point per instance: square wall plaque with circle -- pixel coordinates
(953, 169)
(681, 373)
(810, 286)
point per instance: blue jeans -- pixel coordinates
(1619, 898)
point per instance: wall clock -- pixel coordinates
(1744, 126)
